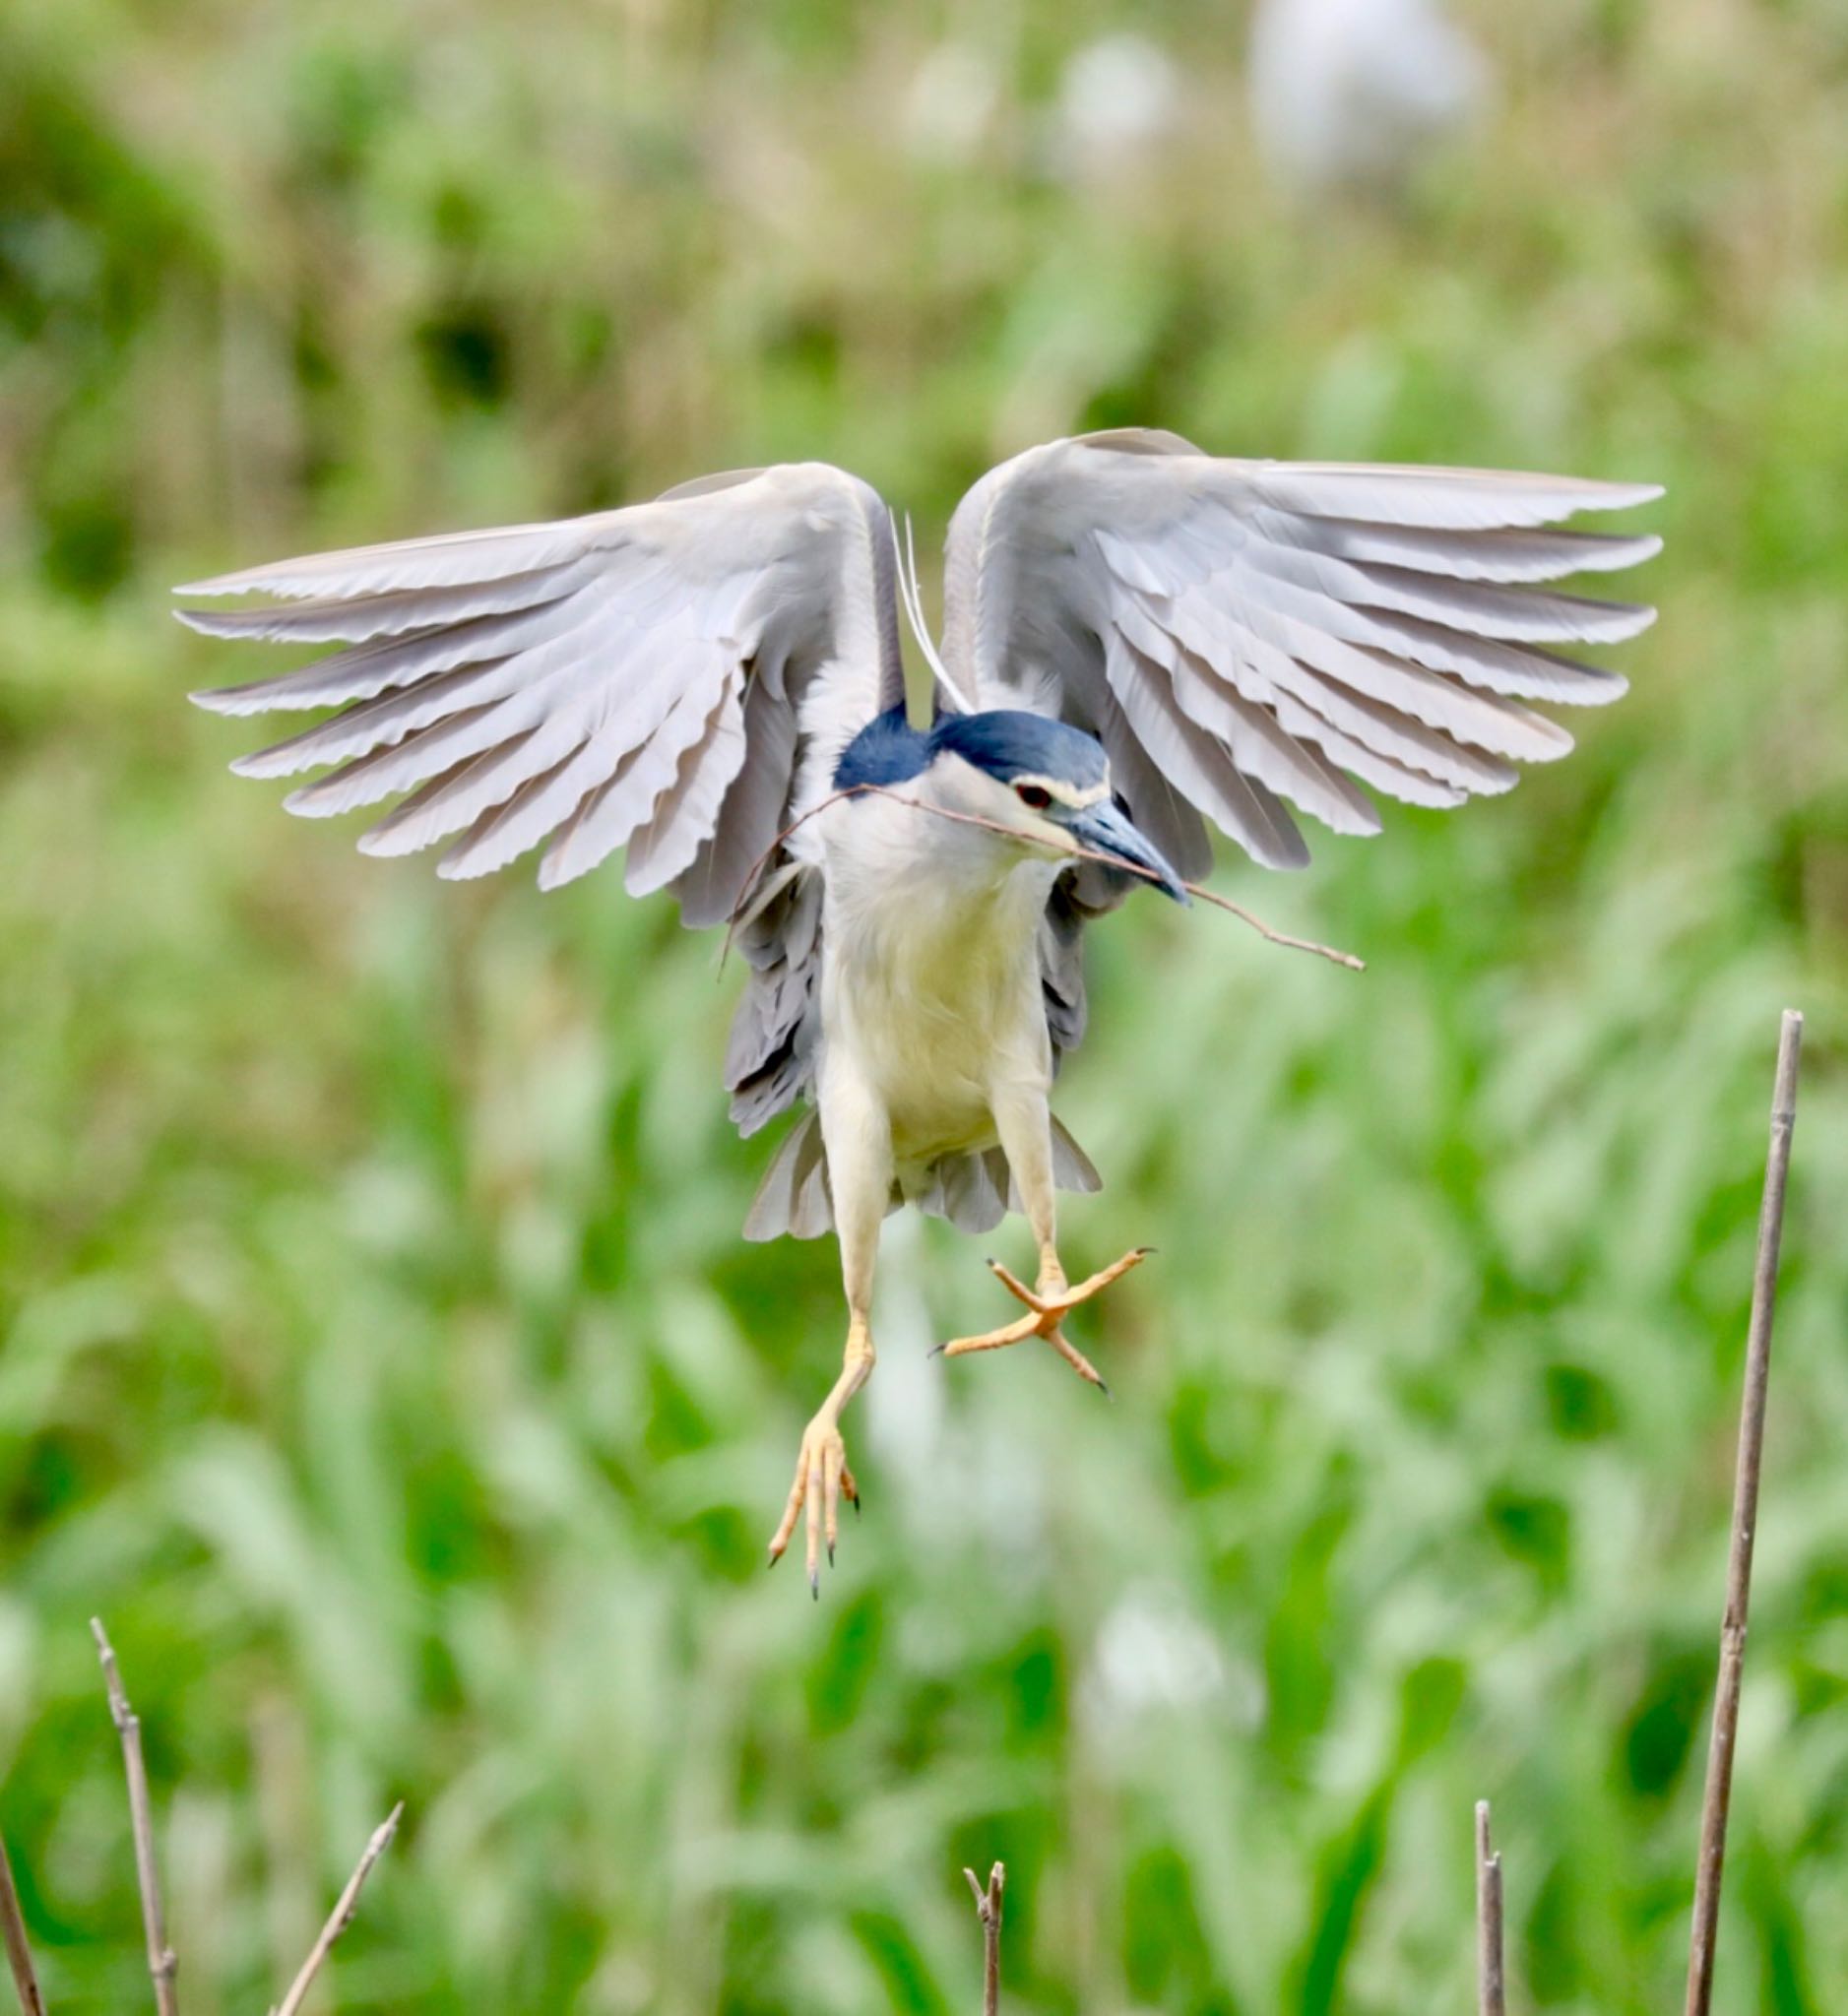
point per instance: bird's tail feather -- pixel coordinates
(974, 1190)
(1072, 1169)
(794, 1195)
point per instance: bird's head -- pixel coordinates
(1044, 781)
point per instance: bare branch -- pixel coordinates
(18, 1954)
(741, 908)
(1717, 1800)
(162, 1965)
(989, 1910)
(1490, 1989)
(341, 1914)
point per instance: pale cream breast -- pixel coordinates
(931, 983)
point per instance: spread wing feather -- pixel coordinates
(1242, 634)
(1260, 628)
(586, 679)
(676, 678)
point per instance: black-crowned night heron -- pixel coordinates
(1138, 639)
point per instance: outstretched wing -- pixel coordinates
(677, 677)
(1242, 633)
(654, 677)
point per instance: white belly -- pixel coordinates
(930, 996)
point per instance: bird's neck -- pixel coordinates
(928, 887)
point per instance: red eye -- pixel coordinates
(1036, 798)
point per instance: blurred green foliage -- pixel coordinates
(380, 1356)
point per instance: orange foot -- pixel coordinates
(822, 1479)
(1048, 1305)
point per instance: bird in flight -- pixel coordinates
(1141, 642)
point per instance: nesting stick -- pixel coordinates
(1717, 1800)
(749, 901)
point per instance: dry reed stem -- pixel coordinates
(1717, 1800)
(342, 1915)
(162, 1965)
(1490, 1974)
(18, 1954)
(989, 1910)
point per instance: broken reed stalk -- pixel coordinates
(18, 1954)
(341, 1914)
(163, 1965)
(1491, 1991)
(989, 1910)
(1717, 1799)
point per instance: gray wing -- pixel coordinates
(677, 679)
(1242, 634)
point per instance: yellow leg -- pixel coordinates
(822, 1476)
(1047, 1304)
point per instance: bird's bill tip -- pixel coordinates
(1107, 831)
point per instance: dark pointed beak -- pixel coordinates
(1107, 831)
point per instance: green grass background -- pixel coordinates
(380, 1358)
